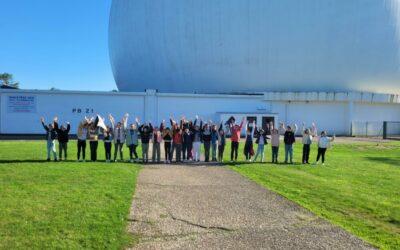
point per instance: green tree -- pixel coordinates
(7, 79)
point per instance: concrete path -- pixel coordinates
(197, 207)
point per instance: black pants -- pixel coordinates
(207, 146)
(93, 150)
(234, 150)
(107, 149)
(167, 151)
(187, 150)
(81, 148)
(118, 147)
(132, 151)
(62, 147)
(248, 148)
(306, 153)
(275, 151)
(177, 148)
(321, 154)
(221, 149)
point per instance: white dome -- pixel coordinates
(255, 45)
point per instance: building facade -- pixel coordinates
(336, 112)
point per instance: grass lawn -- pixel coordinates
(358, 188)
(65, 204)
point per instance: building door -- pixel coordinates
(266, 121)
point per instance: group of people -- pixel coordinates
(181, 139)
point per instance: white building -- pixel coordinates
(338, 113)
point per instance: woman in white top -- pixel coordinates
(324, 143)
(308, 134)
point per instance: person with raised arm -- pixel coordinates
(51, 136)
(235, 137)
(261, 141)
(82, 134)
(307, 141)
(214, 141)
(119, 130)
(156, 139)
(63, 138)
(132, 140)
(289, 139)
(166, 134)
(176, 139)
(248, 146)
(196, 140)
(94, 132)
(324, 142)
(145, 131)
(206, 139)
(187, 140)
(275, 141)
(221, 142)
(108, 139)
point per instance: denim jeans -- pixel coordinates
(51, 149)
(260, 151)
(288, 152)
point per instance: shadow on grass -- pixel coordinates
(239, 163)
(395, 161)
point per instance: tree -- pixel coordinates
(7, 79)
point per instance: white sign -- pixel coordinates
(21, 104)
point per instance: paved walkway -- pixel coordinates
(197, 207)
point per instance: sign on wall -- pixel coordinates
(21, 104)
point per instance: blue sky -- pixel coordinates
(61, 44)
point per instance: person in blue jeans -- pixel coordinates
(289, 139)
(261, 140)
(51, 136)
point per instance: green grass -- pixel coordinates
(65, 204)
(358, 188)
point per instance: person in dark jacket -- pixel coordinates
(261, 141)
(108, 139)
(146, 131)
(221, 142)
(206, 138)
(187, 144)
(51, 136)
(214, 141)
(166, 134)
(63, 138)
(289, 139)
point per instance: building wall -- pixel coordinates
(334, 116)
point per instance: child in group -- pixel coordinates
(145, 131)
(166, 134)
(82, 134)
(187, 143)
(324, 143)
(176, 140)
(221, 142)
(248, 146)
(51, 136)
(275, 144)
(214, 142)
(235, 131)
(63, 138)
(119, 131)
(94, 132)
(132, 140)
(108, 139)
(289, 139)
(261, 140)
(156, 139)
(307, 141)
(206, 139)
(196, 140)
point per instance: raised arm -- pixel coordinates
(68, 127)
(314, 129)
(242, 123)
(112, 120)
(43, 124)
(295, 128)
(125, 120)
(55, 124)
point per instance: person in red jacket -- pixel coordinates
(235, 137)
(176, 139)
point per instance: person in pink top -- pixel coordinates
(235, 136)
